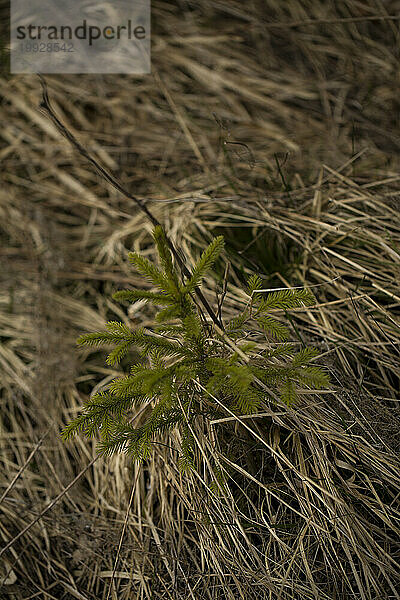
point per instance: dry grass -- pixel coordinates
(312, 506)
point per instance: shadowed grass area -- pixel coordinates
(261, 251)
(276, 124)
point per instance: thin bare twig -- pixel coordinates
(26, 463)
(48, 507)
(48, 110)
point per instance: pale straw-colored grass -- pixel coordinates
(311, 505)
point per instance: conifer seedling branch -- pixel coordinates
(184, 372)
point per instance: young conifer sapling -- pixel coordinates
(187, 362)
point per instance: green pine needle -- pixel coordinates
(205, 263)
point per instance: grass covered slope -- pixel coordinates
(283, 137)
